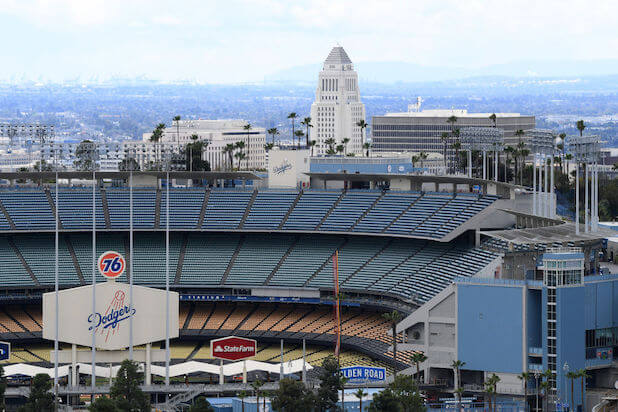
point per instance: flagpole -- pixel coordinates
(94, 276)
(131, 261)
(167, 278)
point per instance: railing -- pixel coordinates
(535, 351)
(475, 406)
(591, 363)
(535, 367)
(492, 281)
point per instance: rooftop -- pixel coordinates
(449, 113)
(337, 56)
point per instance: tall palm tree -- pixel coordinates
(273, 132)
(360, 393)
(330, 142)
(457, 365)
(366, 146)
(312, 145)
(248, 128)
(580, 126)
(340, 148)
(240, 156)
(451, 120)
(415, 159)
(444, 138)
(177, 121)
(490, 388)
(345, 142)
(229, 150)
(293, 116)
(418, 358)
(572, 375)
(256, 385)
(422, 156)
(242, 395)
(393, 318)
(509, 151)
(240, 145)
(582, 375)
(524, 377)
(157, 135)
(493, 118)
(307, 123)
(299, 135)
(457, 147)
(362, 124)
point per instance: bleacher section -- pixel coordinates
(409, 214)
(411, 269)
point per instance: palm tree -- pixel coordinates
(307, 123)
(366, 146)
(457, 147)
(490, 388)
(451, 120)
(256, 385)
(229, 150)
(524, 377)
(415, 159)
(394, 318)
(444, 138)
(312, 145)
(572, 376)
(518, 152)
(248, 128)
(418, 358)
(580, 126)
(360, 393)
(457, 365)
(345, 142)
(177, 121)
(268, 147)
(292, 116)
(299, 134)
(340, 148)
(508, 151)
(273, 132)
(242, 395)
(422, 156)
(582, 375)
(492, 117)
(546, 386)
(157, 135)
(240, 145)
(330, 142)
(363, 125)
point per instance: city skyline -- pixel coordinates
(246, 41)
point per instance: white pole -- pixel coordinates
(552, 200)
(304, 362)
(596, 196)
(539, 195)
(586, 204)
(577, 197)
(167, 278)
(546, 187)
(484, 165)
(281, 365)
(534, 195)
(56, 296)
(470, 163)
(131, 262)
(94, 278)
(495, 165)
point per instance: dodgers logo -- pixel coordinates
(109, 323)
(285, 166)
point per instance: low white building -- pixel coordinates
(218, 134)
(287, 168)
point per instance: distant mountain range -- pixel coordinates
(394, 72)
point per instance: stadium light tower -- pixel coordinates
(586, 150)
(481, 139)
(543, 145)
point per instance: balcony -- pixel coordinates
(534, 351)
(534, 367)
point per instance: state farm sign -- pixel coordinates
(233, 348)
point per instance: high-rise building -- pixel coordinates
(337, 108)
(421, 131)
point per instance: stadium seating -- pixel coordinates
(410, 214)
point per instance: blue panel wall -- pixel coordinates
(490, 327)
(604, 307)
(601, 308)
(534, 318)
(590, 309)
(570, 338)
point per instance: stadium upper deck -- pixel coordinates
(422, 215)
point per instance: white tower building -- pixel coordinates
(337, 107)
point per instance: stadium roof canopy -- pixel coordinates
(550, 234)
(125, 174)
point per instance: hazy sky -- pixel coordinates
(220, 41)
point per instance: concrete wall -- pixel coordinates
(286, 168)
(490, 327)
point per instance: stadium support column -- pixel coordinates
(552, 200)
(534, 184)
(547, 199)
(586, 218)
(495, 165)
(74, 380)
(147, 371)
(281, 365)
(539, 195)
(484, 165)
(221, 377)
(244, 371)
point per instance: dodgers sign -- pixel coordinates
(111, 264)
(5, 350)
(364, 373)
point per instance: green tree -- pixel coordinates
(248, 128)
(201, 404)
(444, 138)
(256, 385)
(580, 126)
(401, 395)
(268, 147)
(85, 155)
(572, 375)
(2, 387)
(242, 395)
(292, 396)
(292, 116)
(126, 391)
(273, 132)
(457, 365)
(490, 388)
(312, 145)
(345, 142)
(330, 384)
(422, 156)
(330, 142)
(240, 145)
(340, 148)
(177, 121)
(360, 394)
(393, 318)
(299, 135)
(525, 377)
(493, 118)
(367, 146)
(418, 358)
(363, 125)
(307, 123)
(229, 151)
(581, 374)
(194, 152)
(104, 404)
(40, 399)
(155, 137)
